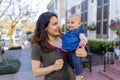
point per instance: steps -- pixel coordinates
(117, 62)
(110, 75)
(94, 75)
(112, 71)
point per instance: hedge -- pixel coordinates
(9, 66)
(14, 48)
(97, 46)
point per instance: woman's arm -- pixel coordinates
(41, 71)
(38, 71)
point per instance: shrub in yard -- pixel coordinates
(63, 28)
(97, 46)
(15, 45)
(9, 66)
(28, 32)
(13, 48)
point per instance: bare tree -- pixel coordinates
(24, 12)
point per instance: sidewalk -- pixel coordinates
(25, 72)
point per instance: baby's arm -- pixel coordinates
(83, 39)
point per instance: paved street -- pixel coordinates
(25, 72)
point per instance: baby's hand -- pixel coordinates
(83, 43)
(82, 36)
(83, 39)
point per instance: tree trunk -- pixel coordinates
(12, 39)
(12, 32)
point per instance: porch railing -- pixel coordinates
(110, 55)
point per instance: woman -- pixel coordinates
(45, 49)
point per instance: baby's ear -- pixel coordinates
(79, 24)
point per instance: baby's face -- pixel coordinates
(73, 23)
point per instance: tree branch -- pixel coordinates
(5, 9)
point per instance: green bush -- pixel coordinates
(63, 28)
(97, 46)
(9, 66)
(28, 32)
(14, 48)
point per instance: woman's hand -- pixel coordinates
(58, 64)
(81, 52)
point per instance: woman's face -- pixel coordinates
(53, 28)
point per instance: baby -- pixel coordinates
(72, 40)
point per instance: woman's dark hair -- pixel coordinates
(40, 35)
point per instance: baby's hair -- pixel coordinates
(75, 15)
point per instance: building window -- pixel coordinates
(82, 4)
(92, 1)
(67, 11)
(102, 18)
(56, 4)
(78, 6)
(99, 2)
(85, 25)
(85, 16)
(105, 25)
(52, 7)
(73, 9)
(86, 5)
(106, 1)
(98, 27)
(106, 12)
(82, 17)
(99, 13)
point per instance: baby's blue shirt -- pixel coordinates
(71, 39)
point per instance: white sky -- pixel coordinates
(70, 3)
(40, 5)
